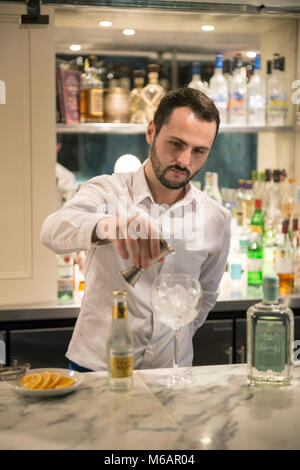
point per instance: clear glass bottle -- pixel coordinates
(275, 96)
(153, 92)
(91, 96)
(218, 89)
(196, 78)
(211, 187)
(240, 195)
(136, 98)
(120, 346)
(65, 278)
(257, 96)
(248, 203)
(238, 94)
(270, 336)
(284, 261)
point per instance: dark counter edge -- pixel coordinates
(68, 313)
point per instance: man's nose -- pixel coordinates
(184, 158)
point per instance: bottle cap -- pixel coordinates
(119, 292)
(270, 284)
(257, 203)
(196, 68)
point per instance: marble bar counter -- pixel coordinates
(217, 411)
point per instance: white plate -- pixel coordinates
(77, 376)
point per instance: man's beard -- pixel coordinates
(161, 172)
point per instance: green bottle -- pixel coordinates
(257, 223)
(255, 260)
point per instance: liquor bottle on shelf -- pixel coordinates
(124, 78)
(153, 92)
(240, 195)
(211, 187)
(275, 96)
(269, 247)
(120, 346)
(65, 278)
(274, 200)
(289, 198)
(255, 260)
(218, 89)
(296, 262)
(238, 94)
(91, 96)
(136, 99)
(257, 223)
(257, 96)
(284, 261)
(248, 203)
(196, 78)
(270, 336)
(285, 102)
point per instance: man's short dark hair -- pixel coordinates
(201, 105)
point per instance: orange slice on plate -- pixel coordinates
(65, 382)
(46, 377)
(32, 381)
(55, 376)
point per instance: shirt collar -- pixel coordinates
(141, 190)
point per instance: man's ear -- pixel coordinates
(150, 132)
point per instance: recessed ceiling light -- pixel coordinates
(207, 27)
(75, 47)
(251, 54)
(105, 24)
(128, 32)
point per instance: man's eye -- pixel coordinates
(175, 144)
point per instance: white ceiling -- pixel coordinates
(158, 31)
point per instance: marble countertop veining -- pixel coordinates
(218, 411)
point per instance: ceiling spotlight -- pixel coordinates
(251, 54)
(75, 47)
(128, 32)
(207, 27)
(105, 24)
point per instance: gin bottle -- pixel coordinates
(120, 346)
(137, 100)
(256, 96)
(211, 187)
(275, 96)
(270, 336)
(196, 79)
(238, 94)
(218, 89)
(153, 92)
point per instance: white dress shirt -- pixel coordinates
(70, 229)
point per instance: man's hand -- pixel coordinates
(134, 237)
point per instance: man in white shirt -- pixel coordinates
(118, 219)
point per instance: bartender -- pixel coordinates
(118, 220)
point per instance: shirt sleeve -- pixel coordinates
(70, 228)
(211, 274)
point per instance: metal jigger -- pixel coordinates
(132, 274)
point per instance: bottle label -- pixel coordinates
(284, 264)
(256, 228)
(270, 346)
(95, 102)
(254, 264)
(121, 364)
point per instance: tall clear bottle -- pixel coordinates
(196, 79)
(211, 187)
(270, 336)
(218, 89)
(275, 96)
(238, 94)
(120, 346)
(153, 92)
(257, 96)
(137, 101)
(284, 261)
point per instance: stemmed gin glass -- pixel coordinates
(175, 298)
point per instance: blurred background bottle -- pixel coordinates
(218, 89)
(257, 96)
(238, 94)
(211, 187)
